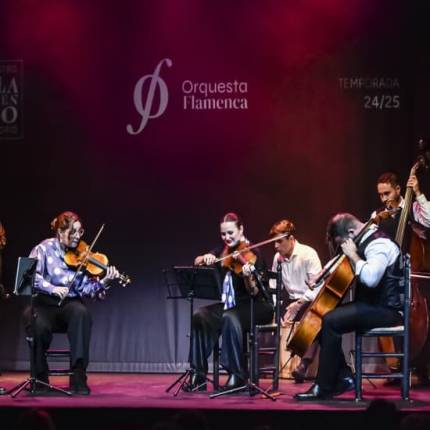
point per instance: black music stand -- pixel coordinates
(251, 386)
(192, 282)
(24, 286)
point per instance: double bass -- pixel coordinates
(419, 249)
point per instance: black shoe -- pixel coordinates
(314, 393)
(197, 382)
(233, 381)
(344, 385)
(78, 383)
(299, 373)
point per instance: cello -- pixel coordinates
(335, 279)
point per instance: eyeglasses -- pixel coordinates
(78, 232)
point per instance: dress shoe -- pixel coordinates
(314, 393)
(78, 383)
(299, 373)
(233, 381)
(197, 383)
(344, 385)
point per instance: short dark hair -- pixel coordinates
(340, 224)
(388, 178)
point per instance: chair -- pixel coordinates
(268, 349)
(56, 355)
(397, 331)
(59, 356)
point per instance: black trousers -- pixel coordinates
(344, 319)
(209, 322)
(72, 317)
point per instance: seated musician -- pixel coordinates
(375, 262)
(52, 284)
(2, 290)
(300, 266)
(230, 319)
(2, 245)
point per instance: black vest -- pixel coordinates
(389, 290)
(389, 227)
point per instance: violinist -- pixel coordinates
(375, 262)
(52, 284)
(300, 266)
(231, 318)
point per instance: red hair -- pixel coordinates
(232, 217)
(64, 221)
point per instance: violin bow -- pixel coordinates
(82, 263)
(255, 245)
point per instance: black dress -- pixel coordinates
(210, 322)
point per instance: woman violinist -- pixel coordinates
(231, 318)
(52, 283)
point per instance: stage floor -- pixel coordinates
(147, 392)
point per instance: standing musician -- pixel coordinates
(389, 191)
(52, 284)
(231, 319)
(375, 262)
(300, 266)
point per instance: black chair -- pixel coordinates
(59, 356)
(397, 331)
(267, 337)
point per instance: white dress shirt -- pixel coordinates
(379, 254)
(420, 210)
(297, 271)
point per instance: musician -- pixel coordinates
(2, 290)
(300, 266)
(52, 284)
(231, 318)
(2, 245)
(389, 192)
(375, 262)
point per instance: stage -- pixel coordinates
(140, 401)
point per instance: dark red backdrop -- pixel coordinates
(306, 147)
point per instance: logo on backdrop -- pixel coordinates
(196, 96)
(11, 123)
(146, 110)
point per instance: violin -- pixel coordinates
(95, 263)
(242, 254)
(237, 259)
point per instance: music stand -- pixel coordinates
(24, 286)
(192, 282)
(251, 386)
